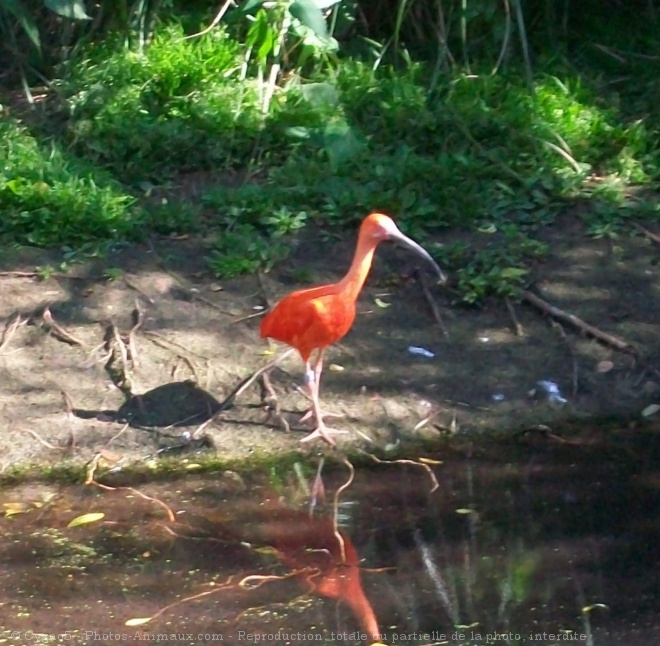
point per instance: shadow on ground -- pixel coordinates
(197, 338)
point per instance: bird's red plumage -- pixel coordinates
(310, 319)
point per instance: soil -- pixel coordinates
(82, 382)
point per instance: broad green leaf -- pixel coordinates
(320, 94)
(248, 6)
(340, 143)
(298, 132)
(72, 9)
(86, 518)
(308, 13)
(17, 9)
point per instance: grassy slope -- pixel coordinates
(478, 151)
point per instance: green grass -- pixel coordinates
(48, 198)
(476, 151)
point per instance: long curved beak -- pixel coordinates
(420, 251)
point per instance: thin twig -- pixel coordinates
(242, 387)
(435, 309)
(58, 331)
(68, 402)
(558, 326)
(38, 437)
(136, 315)
(649, 234)
(13, 323)
(116, 435)
(19, 274)
(262, 285)
(219, 16)
(269, 397)
(609, 339)
(249, 316)
(518, 328)
(129, 283)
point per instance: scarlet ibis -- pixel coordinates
(312, 319)
(327, 559)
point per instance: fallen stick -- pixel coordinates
(609, 339)
(13, 323)
(58, 331)
(242, 386)
(518, 328)
(433, 305)
(649, 234)
(559, 327)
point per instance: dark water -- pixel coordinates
(533, 542)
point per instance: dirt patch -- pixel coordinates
(198, 338)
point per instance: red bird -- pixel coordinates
(312, 319)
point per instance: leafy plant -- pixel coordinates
(244, 250)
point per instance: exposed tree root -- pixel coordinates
(57, 330)
(560, 315)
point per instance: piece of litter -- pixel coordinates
(484, 339)
(551, 389)
(335, 367)
(498, 397)
(604, 366)
(650, 410)
(420, 352)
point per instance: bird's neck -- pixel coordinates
(351, 284)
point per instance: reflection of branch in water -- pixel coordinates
(436, 578)
(422, 462)
(335, 509)
(89, 480)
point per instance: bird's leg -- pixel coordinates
(313, 378)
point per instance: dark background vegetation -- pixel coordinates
(496, 117)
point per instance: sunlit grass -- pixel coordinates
(47, 198)
(481, 151)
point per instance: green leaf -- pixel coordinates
(17, 9)
(513, 272)
(320, 94)
(86, 518)
(248, 6)
(72, 9)
(308, 13)
(341, 143)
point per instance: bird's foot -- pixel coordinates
(324, 433)
(312, 414)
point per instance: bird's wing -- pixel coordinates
(308, 320)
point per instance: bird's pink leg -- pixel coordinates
(313, 381)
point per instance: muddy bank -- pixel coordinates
(132, 355)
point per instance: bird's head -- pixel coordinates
(380, 227)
